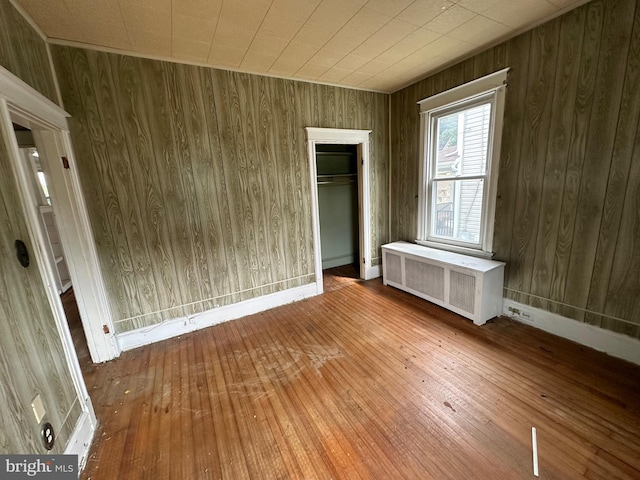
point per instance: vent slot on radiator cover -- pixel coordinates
(425, 278)
(394, 266)
(462, 291)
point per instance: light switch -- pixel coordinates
(38, 408)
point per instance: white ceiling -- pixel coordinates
(379, 45)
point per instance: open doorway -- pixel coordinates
(348, 170)
(39, 287)
(47, 122)
(36, 167)
(337, 168)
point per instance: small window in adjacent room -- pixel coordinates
(460, 138)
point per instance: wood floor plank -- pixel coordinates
(511, 385)
(406, 440)
(262, 458)
(185, 416)
(366, 382)
(203, 466)
(146, 434)
(339, 403)
(269, 408)
(119, 406)
(226, 434)
(321, 417)
(131, 460)
(421, 391)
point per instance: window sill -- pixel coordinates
(456, 249)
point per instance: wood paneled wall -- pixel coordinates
(32, 359)
(23, 52)
(567, 220)
(197, 180)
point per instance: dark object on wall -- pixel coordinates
(48, 436)
(22, 253)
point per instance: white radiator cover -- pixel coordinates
(468, 286)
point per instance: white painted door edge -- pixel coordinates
(81, 438)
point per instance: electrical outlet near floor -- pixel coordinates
(520, 313)
(38, 409)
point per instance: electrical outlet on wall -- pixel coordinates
(520, 313)
(38, 409)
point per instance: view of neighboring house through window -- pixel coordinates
(461, 139)
(460, 173)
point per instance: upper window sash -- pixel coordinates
(432, 124)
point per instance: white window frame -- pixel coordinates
(490, 88)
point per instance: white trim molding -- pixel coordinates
(168, 58)
(373, 272)
(48, 122)
(612, 343)
(470, 89)
(11, 108)
(80, 441)
(30, 103)
(316, 136)
(182, 325)
(78, 243)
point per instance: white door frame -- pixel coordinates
(317, 136)
(19, 102)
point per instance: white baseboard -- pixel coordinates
(80, 440)
(612, 343)
(181, 325)
(373, 272)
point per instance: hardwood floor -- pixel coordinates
(338, 277)
(364, 382)
(75, 326)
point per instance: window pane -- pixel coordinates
(43, 184)
(447, 156)
(457, 210)
(462, 141)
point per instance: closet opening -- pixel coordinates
(340, 201)
(337, 182)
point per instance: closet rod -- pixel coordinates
(351, 154)
(343, 182)
(331, 175)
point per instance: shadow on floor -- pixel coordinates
(338, 277)
(75, 326)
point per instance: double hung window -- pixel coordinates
(460, 136)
